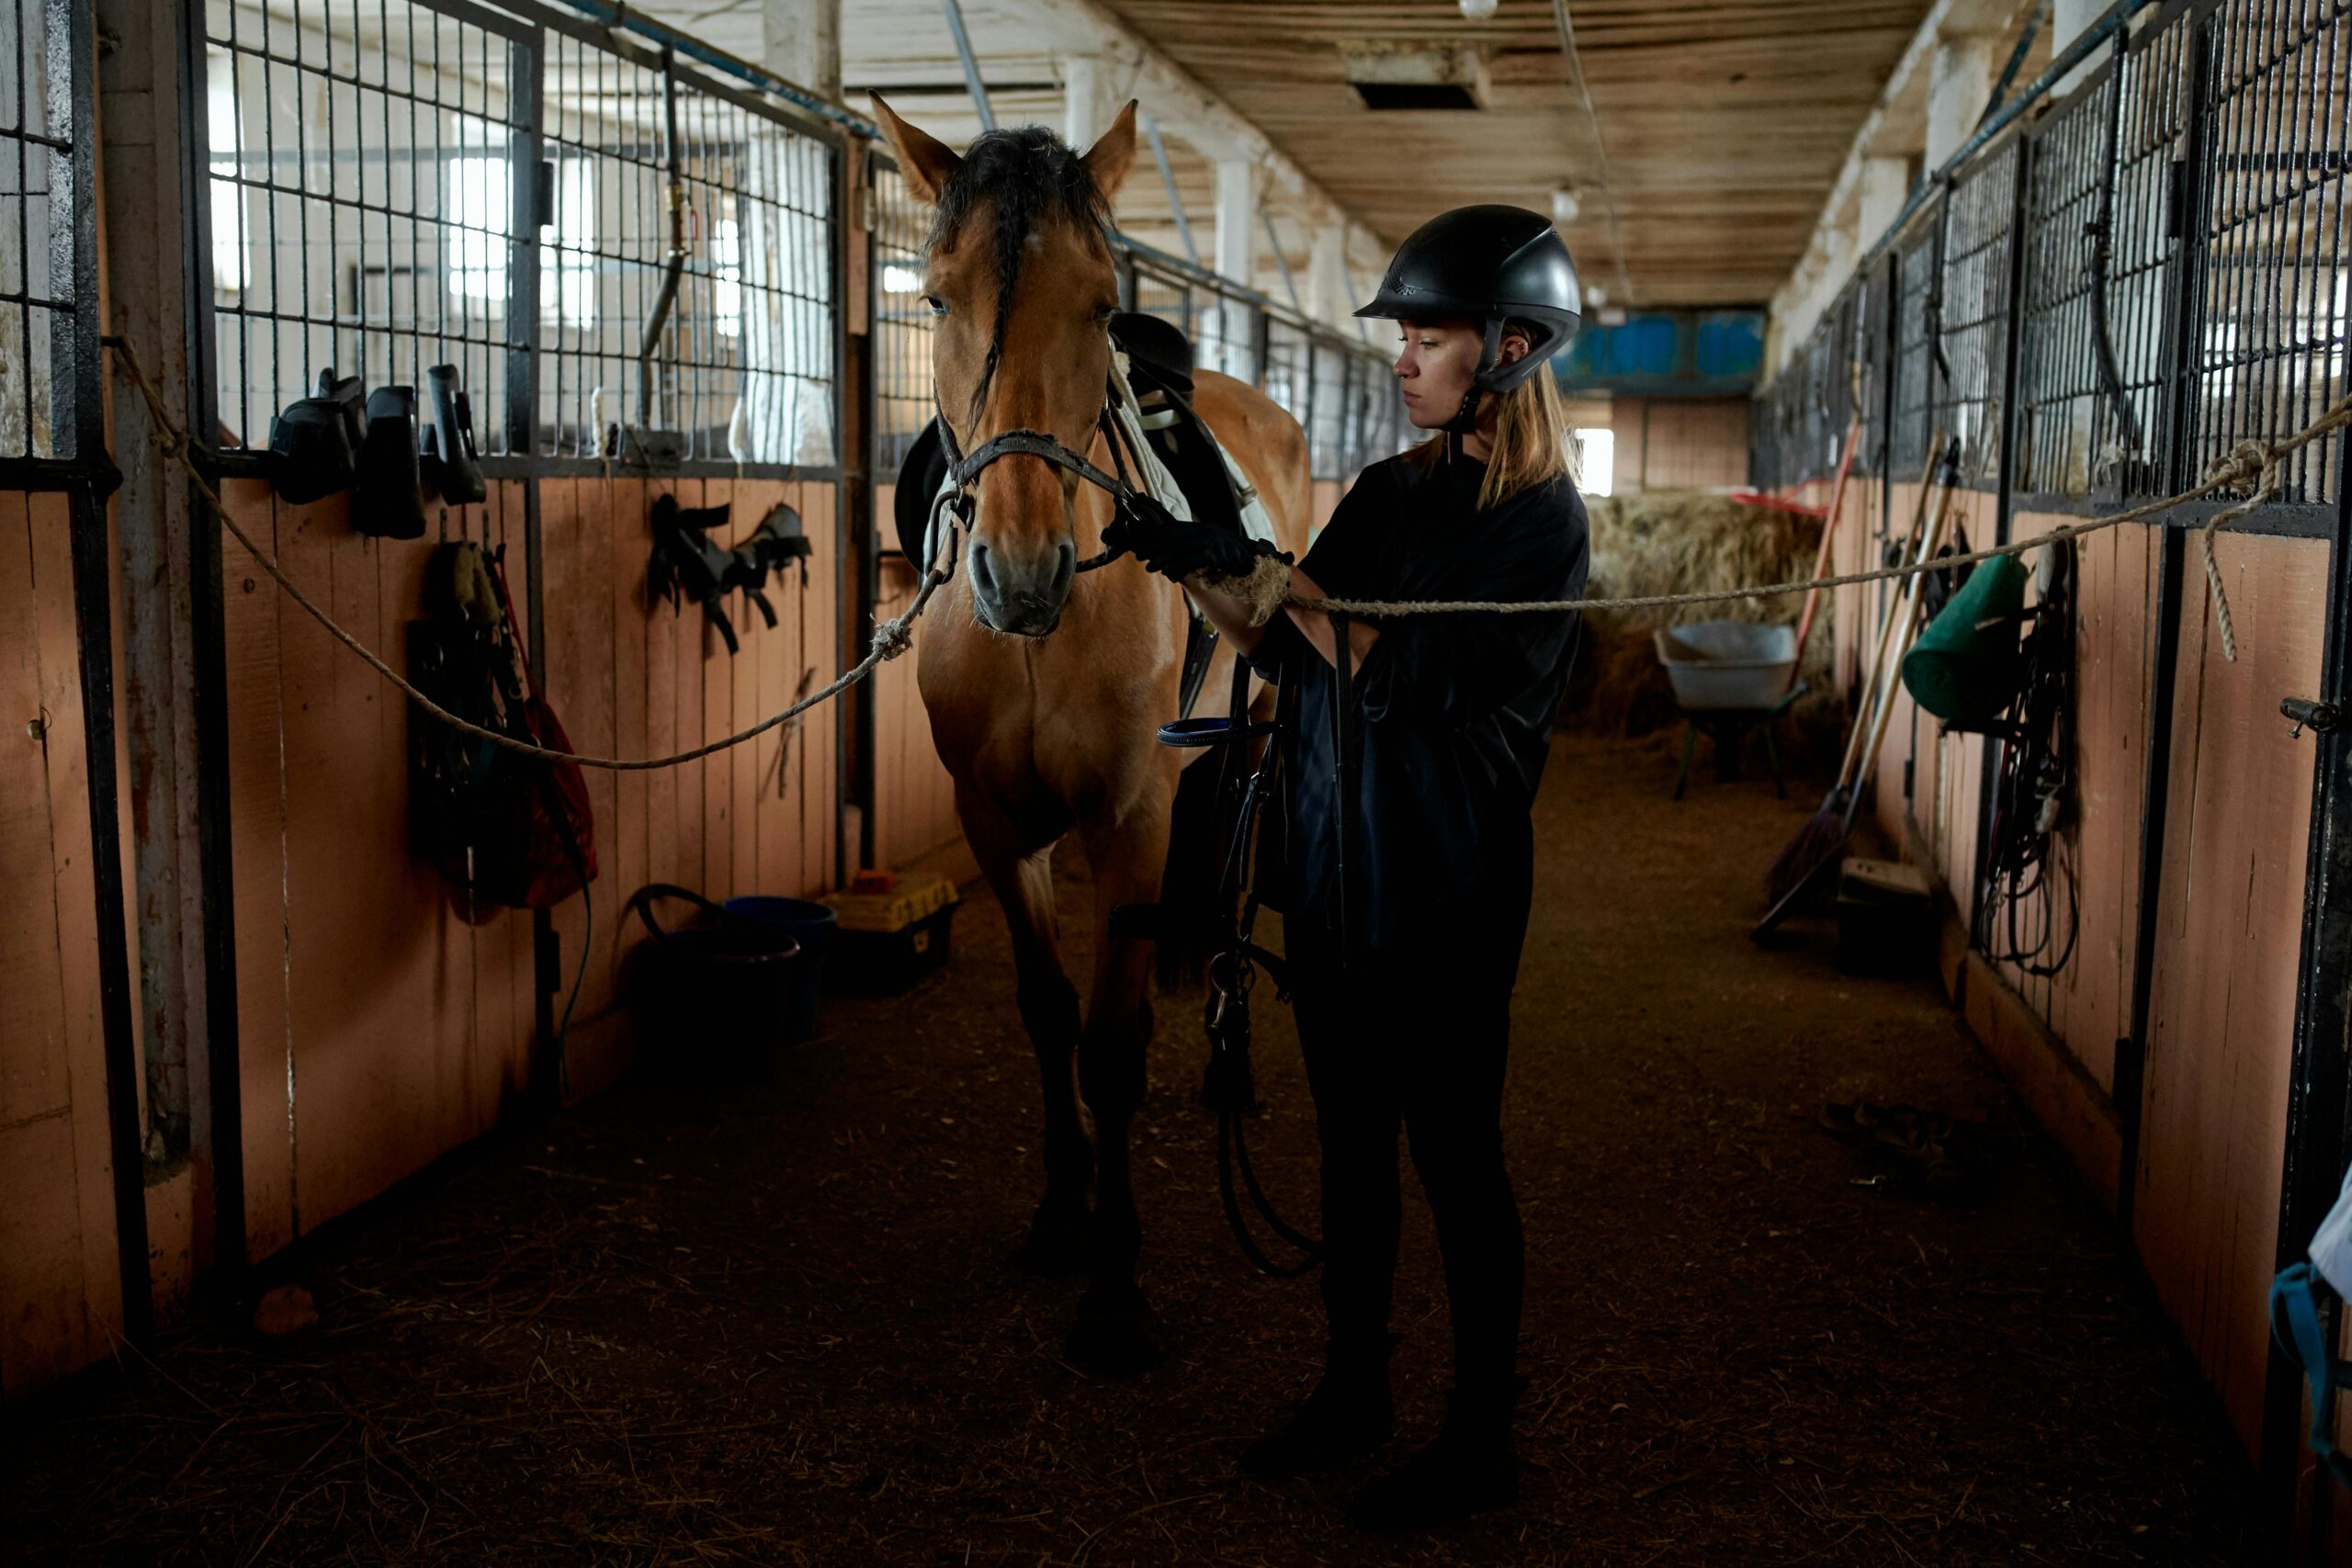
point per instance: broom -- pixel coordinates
(1824, 833)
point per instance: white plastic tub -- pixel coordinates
(1727, 664)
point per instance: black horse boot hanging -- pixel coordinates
(389, 499)
(449, 463)
(314, 444)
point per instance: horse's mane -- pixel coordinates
(1031, 174)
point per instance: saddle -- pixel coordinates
(1160, 370)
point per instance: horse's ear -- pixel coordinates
(927, 162)
(1113, 153)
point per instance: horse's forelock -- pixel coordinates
(1032, 175)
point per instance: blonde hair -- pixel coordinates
(1530, 444)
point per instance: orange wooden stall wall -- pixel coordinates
(631, 678)
(380, 1025)
(2230, 911)
(59, 1288)
(914, 800)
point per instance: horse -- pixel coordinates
(1044, 683)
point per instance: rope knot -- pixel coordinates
(2247, 463)
(893, 638)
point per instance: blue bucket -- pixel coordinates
(810, 924)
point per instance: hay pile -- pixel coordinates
(1684, 542)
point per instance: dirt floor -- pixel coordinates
(778, 1327)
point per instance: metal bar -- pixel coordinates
(2155, 792)
(93, 623)
(1290, 284)
(2005, 481)
(978, 89)
(853, 522)
(1168, 181)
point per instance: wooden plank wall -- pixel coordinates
(2229, 919)
(1679, 443)
(381, 1025)
(631, 678)
(60, 1295)
(914, 800)
(378, 1026)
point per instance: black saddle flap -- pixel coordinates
(919, 477)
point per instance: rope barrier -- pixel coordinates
(2250, 462)
(891, 637)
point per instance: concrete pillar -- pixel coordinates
(1327, 299)
(1237, 218)
(1088, 88)
(1960, 84)
(2068, 21)
(1225, 332)
(800, 41)
(1879, 196)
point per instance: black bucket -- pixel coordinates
(713, 1000)
(811, 925)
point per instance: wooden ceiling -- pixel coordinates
(1725, 121)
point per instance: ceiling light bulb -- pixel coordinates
(1565, 206)
(1595, 295)
(1479, 10)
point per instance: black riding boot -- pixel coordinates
(1467, 1469)
(1347, 1418)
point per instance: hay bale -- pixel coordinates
(1686, 542)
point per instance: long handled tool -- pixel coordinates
(1828, 532)
(1822, 839)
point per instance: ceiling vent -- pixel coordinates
(1415, 75)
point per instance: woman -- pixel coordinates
(1403, 1003)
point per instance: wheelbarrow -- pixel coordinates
(1730, 677)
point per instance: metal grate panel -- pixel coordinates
(2271, 323)
(1975, 302)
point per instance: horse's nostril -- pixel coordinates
(1065, 567)
(982, 578)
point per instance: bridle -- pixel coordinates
(954, 502)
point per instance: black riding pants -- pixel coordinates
(1390, 1045)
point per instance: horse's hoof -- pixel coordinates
(1114, 1336)
(1056, 1247)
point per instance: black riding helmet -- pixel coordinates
(1492, 264)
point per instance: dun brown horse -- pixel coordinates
(1044, 685)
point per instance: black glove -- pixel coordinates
(1178, 548)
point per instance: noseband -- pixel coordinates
(963, 472)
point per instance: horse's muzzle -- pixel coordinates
(1020, 594)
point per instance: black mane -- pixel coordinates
(1031, 174)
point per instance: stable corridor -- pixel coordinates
(778, 1327)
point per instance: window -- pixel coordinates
(478, 209)
(727, 277)
(897, 279)
(1595, 460)
(568, 266)
(231, 265)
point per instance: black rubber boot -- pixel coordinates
(1467, 1469)
(1347, 1418)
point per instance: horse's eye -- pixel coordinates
(938, 306)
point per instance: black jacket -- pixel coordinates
(1451, 715)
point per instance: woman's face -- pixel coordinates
(1436, 364)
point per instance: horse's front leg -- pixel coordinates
(1024, 882)
(1114, 1333)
